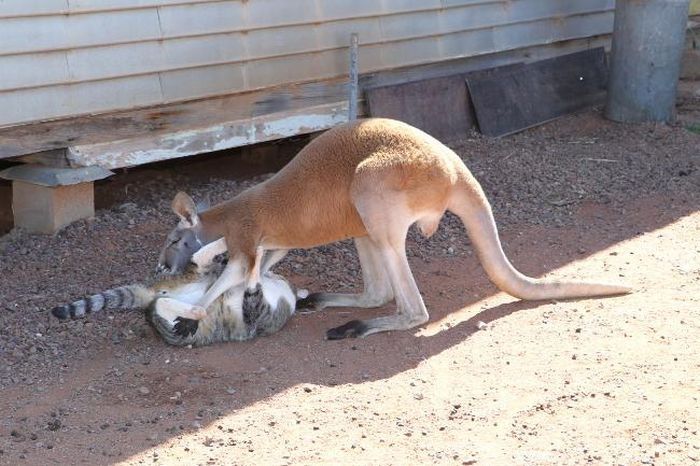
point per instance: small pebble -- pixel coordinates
(144, 390)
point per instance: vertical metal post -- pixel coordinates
(647, 47)
(352, 104)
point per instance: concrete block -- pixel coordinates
(45, 209)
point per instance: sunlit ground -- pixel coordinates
(599, 381)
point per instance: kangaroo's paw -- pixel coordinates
(352, 329)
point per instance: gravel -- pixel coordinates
(538, 177)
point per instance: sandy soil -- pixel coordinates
(599, 381)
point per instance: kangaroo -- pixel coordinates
(369, 180)
(239, 314)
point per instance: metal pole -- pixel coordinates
(352, 104)
(647, 46)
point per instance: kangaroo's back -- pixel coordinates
(310, 201)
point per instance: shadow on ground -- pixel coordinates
(123, 399)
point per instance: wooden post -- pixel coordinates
(352, 104)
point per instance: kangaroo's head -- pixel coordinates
(184, 240)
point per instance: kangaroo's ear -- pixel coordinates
(184, 207)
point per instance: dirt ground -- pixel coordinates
(489, 380)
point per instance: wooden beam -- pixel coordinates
(225, 134)
(167, 119)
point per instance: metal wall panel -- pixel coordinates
(145, 52)
(46, 103)
(33, 7)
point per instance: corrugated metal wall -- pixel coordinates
(70, 57)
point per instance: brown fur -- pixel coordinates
(372, 178)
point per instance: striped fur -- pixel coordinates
(123, 297)
(237, 315)
(232, 317)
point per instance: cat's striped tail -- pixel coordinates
(123, 297)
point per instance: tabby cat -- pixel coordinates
(239, 314)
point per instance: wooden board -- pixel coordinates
(438, 106)
(132, 137)
(509, 100)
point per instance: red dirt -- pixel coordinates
(599, 381)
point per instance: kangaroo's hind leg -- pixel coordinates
(271, 258)
(388, 228)
(377, 287)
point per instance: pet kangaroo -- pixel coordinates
(238, 314)
(369, 180)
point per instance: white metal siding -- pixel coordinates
(69, 57)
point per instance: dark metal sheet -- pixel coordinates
(438, 106)
(509, 99)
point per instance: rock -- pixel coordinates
(481, 325)
(54, 424)
(144, 390)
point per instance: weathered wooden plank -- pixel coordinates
(510, 99)
(438, 106)
(227, 134)
(163, 120)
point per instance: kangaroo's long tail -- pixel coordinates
(470, 205)
(123, 297)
